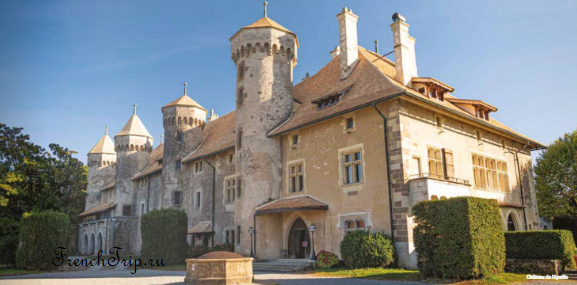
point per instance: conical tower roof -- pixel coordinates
(266, 22)
(104, 145)
(134, 127)
(184, 100)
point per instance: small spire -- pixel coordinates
(265, 3)
(161, 139)
(106, 130)
(376, 46)
(185, 87)
(307, 75)
(134, 109)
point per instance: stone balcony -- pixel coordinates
(427, 186)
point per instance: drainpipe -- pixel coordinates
(254, 235)
(520, 181)
(213, 202)
(388, 168)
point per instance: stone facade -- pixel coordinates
(352, 147)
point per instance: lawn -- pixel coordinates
(12, 272)
(413, 275)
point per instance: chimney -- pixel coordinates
(212, 116)
(335, 52)
(348, 37)
(405, 59)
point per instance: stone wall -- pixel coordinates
(534, 266)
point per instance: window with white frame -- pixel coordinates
(490, 173)
(354, 225)
(230, 187)
(352, 166)
(296, 177)
(198, 166)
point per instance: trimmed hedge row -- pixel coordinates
(164, 235)
(459, 238)
(40, 235)
(361, 249)
(550, 244)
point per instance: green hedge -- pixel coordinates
(459, 238)
(164, 235)
(41, 233)
(361, 249)
(555, 244)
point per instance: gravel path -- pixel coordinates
(155, 277)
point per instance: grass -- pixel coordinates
(414, 275)
(12, 272)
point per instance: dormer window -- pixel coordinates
(331, 99)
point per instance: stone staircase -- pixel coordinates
(282, 265)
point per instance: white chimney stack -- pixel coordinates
(335, 52)
(349, 45)
(405, 58)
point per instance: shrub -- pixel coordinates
(198, 250)
(164, 235)
(361, 249)
(326, 259)
(40, 235)
(459, 238)
(555, 244)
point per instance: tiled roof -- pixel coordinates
(104, 145)
(154, 165)
(266, 22)
(134, 127)
(301, 203)
(201, 228)
(184, 101)
(109, 185)
(98, 209)
(218, 135)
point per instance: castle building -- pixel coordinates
(352, 147)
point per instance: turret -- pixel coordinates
(133, 147)
(183, 121)
(101, 162)
(265, 54)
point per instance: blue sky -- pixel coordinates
(67, 68)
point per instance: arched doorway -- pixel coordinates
(99, 243)
(298, 238)
(91, 249)
(511, 226)
(85, 244)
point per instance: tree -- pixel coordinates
(556, 178)
(33, 179)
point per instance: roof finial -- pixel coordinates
(106, 130)
(134, 109)
(265, 3)
(161, 139)
(185, 87)
(376, 46)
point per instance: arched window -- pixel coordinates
(511, 224)
(179, 120)
(185, 120)
(190, 121)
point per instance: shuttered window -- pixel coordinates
(448, 163)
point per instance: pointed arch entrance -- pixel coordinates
(297, 239)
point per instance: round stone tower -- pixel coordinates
(101, 169)
(265, 54)
(133, 146)
(183, 120)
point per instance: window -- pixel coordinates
(198, 166)
(416, 166)
(490, 173)
(352, 167)
(229, 236)
(238, 188)
(448, 164)
(179, 135)
(296, 177)
(435, 163)
(176, 197)
(239, 96)
(295, 139)
(127, 210)
(230, 187)
(231, 158)
(511, 224)
(349, 124)
(239, 138)
(479, 136)
(354, 225)
(237, 234)
(439, 122)
(422, 90)
(178, 165)
(503, 144)
(197, 200)
(141, 209)
(240, 72)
